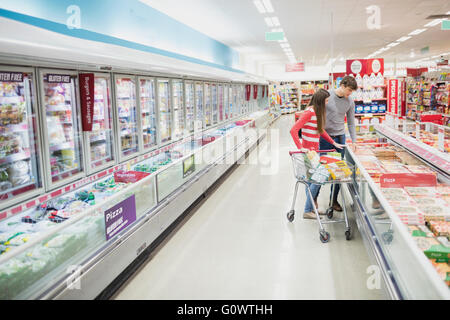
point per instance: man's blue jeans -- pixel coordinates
(325, 145)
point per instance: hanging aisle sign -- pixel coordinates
(295, 67)
(393, 96)
(375, 66)
(87, 100)
(248, 90)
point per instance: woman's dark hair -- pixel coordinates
(318, 103)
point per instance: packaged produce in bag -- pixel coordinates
(312, 159)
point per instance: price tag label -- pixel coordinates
(441, 139)
(417, 130)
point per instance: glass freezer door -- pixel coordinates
(62, 126)
(214, 104)
(220, 102)
(127, 116)
(208, 116)
(226, 101)
(189, 87)
(20, 172)
(230, 101)
(178, 109)
(101, 138)
(165, 122)
(199, 103)
(148, 112)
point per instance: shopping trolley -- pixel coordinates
(302, 173)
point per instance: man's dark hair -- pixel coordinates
(349, 82)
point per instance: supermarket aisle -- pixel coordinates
(238, 244)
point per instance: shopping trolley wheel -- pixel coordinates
(324, 236)
(348, 234)
(330, 213)
(388, 237)
(290, 215)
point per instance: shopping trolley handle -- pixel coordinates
(318, 151)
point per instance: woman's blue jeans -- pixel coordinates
(315, 188)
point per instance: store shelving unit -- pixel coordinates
(429, 95)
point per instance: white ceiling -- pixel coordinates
(309, 30)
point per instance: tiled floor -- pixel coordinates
(238, 243)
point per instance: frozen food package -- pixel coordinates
(19, 168)
(420, 231)
(55, 131)
(394, 193)
(20, 180)
(433, 249)
(443, 190)
(421, 191)
(6, 185)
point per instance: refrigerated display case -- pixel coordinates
(72, 247)
(100, 150)
(214, 98)
(208, 108)
(165, 114)
(127, 116)
(397, 198)
(20, 160)
(178, 109)
(190, 105)
(148, 113)
(220, 97)
(61, 125)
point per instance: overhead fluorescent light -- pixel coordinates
(259, 6)
(403, 39)
(277, 30)
(393, 44)
(268, 5)
(283, 41)
(434, 23)
(416, 32)
(284, 45)
(268, 21)
(275, 21)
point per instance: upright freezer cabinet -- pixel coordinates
(61, 124)
(100, 139)
(20, 160)
(127, 116)
(147, 102)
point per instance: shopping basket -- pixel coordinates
(304, 174)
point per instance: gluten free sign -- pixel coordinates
(120, 216)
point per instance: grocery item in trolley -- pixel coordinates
(339, 170)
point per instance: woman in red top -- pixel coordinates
(312, 123)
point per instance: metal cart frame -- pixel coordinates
(300, 171)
